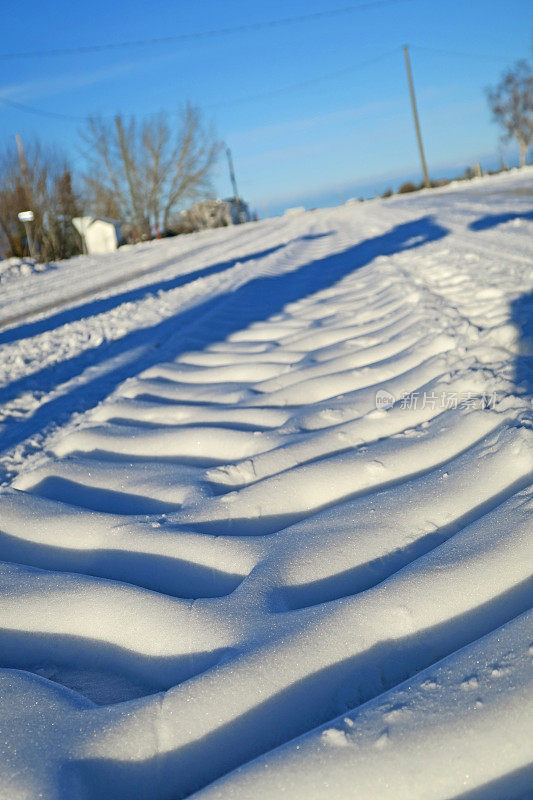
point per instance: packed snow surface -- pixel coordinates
(265, 524)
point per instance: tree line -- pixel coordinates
(144, 173)
(141, 173)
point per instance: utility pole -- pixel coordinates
(234, 184)
(427, 182)
(232, 174)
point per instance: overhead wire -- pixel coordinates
(208, 34)
(231, 102)
(457, 54)
(303, 84)
(270, 92)
(39, 111)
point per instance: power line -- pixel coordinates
(209, 34)
(270, 92)
(303, 84)
(39, 111)
(222, 104)
(440, 51)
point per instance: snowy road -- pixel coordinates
(272, 491)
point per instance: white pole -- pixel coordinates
(30, 240)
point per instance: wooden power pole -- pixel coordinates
(232, 174)
(234, 185)
(427, 182)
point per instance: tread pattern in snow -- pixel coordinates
(242, 543)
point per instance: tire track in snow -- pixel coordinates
(355, 546)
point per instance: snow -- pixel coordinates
(265, 513)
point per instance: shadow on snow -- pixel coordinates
(493, 220)
(196, 327)
(101, 305)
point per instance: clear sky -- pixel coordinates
(296, 135)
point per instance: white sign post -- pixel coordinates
(26, 217)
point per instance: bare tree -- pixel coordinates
(40, 179)
(142, 172)
(511, 103)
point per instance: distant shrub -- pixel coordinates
(387, 193)
(409, 186)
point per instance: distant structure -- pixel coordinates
(216, 213)
(99, 234)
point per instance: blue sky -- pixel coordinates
(322, 139)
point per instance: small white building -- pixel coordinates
(99, 234)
